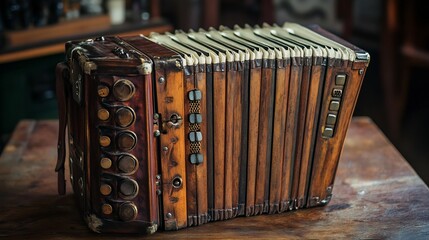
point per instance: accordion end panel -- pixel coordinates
(343, 82)
(109, 111)
(329, 147)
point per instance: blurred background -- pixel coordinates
(395, 33)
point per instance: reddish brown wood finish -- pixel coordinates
(202, 186)
(377, 195)
(98, 63)
(264, 143)
(300, 128)
(219, 108)
(280, 109)
(310, 131)
(290, 133)
(231, 92)
(254, 99)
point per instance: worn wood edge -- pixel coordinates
(18, 141)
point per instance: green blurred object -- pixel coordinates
(27, 91)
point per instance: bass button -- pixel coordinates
(124, 116)
(127, 164)
(103, 114)
(103, 90)
(126, 141)
(127, 212)
(123, 89)
(128, 188)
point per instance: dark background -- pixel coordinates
(394, 32)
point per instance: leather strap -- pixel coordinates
(62, 74)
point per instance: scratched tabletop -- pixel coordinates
(377, 195)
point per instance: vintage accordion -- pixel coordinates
(180, 129)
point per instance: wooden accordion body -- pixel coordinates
(182, 129)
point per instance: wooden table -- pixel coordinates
(376, 195)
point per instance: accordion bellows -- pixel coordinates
(181, 129)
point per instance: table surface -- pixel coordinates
(376, 195)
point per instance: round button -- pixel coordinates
(123, 89)
(128, 188)
(107, 209)
(103, 114)
(127, 211)
(124, 116)
(104, 141)
(126, 141)
(105, 163)
(127, 163)
(103, 90)
(105, 189)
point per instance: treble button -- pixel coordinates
(194, 95)
(195, 118)
(195, 136)
(196, 158)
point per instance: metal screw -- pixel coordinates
(165, 149)
(158, 192)
(360, 71)
(155, 116)
(157, 133)
(169, 215)
(158, 177)
(161, 80)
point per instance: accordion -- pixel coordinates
(181, 129)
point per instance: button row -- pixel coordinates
(334, 105)
(125, 163)
(195, 119)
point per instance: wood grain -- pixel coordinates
(376, 195)
(254, 99)
(282, 87)
(219, 93)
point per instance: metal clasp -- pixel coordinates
(175, 121)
